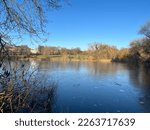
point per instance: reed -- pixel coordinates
(25, 91)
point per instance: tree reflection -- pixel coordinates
(58, 65)
(97, 68)
(140, 78)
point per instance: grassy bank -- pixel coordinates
(66, 58)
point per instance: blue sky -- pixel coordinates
(115, 22)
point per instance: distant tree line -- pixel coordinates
(41, 50)
(138, 52)
(18, 50)
(48, 50)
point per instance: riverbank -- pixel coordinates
(68, 58)
(83, 57)
(63, 58)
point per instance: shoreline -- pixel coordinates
(71, 59)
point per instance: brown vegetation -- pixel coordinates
(99, 51)
(139, 51)
(25, 91)
(20, 92)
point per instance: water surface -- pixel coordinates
(98, 87)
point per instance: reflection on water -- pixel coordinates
(99, 87)
(140, 78)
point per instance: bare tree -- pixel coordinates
(19, 19)
(27, 17)
(102, 51)
(146, 30)
(24, 16)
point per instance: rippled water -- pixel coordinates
(98, 87)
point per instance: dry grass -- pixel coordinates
(26, 91)
(105, 60)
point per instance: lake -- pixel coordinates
(98, 87)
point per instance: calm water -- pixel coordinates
(98, 87)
